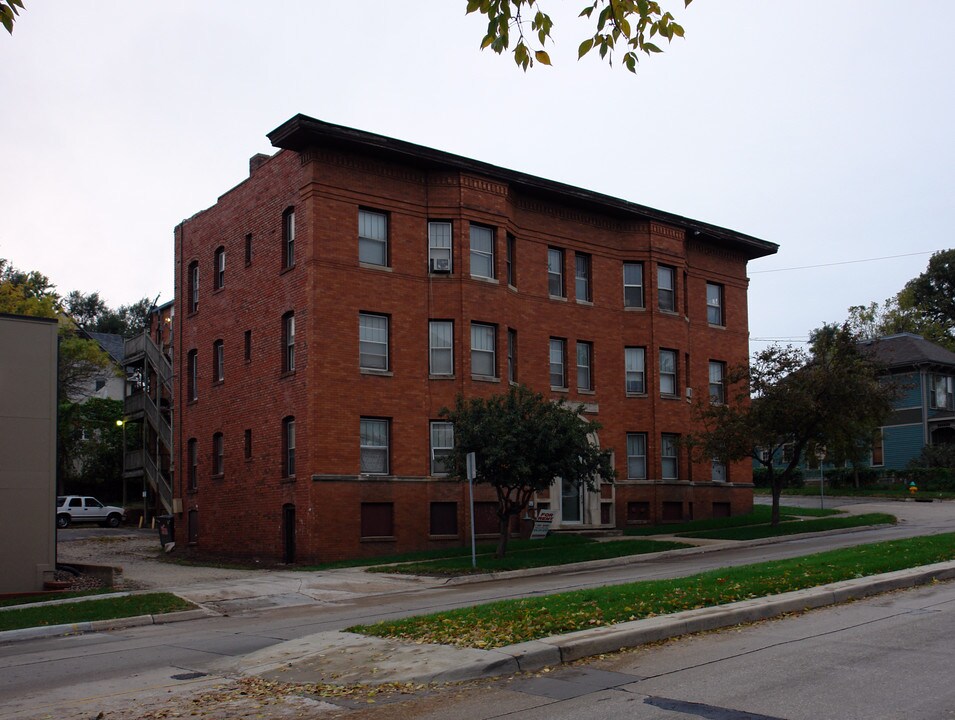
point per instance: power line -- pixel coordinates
(844, 262)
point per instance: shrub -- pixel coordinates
(761, 478)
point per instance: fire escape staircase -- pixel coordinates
(149, 399)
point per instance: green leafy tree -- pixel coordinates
(9, 9)
(522, 443)
(26, 293)
(91, 313)
(788, 402)
(627, 25)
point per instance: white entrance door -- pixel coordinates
(571, 503)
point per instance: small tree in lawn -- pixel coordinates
(522, 443)
(789, 401)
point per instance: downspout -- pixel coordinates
(923, 379)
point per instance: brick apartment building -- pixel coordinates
(330, 305)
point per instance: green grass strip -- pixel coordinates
(754, 532)
(90, 610)
(47, 596)
(513, 621)
(543, 554)
(761, 514)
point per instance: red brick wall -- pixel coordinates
(240, 513)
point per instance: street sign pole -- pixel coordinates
(472, 473)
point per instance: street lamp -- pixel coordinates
(820, 456)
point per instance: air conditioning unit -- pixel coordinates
(440, 265)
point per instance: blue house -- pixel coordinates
(924, 412)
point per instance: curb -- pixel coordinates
(48, 631)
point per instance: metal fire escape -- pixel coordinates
(149, 395)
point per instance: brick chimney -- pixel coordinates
(255, 162)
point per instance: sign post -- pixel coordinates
(472, 473)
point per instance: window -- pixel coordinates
(941, 392)
(633, 285)
(288, 446)
(585, 358)
(248, 249)
(218, 276)
(372, 237)
(192, 526)
(248, 444)
(558, 355)
(218, 455)
(377, 520)
(288, 238)
(555, 272)
(439, 246)
(218, 361)
(878, 449)
(193, 460)
(637, 456)
(668, 372)
(666, 288)
(193, 286)
(444, 518)
(441, 347)
(373, 342)
(248, 345)
(442, 445)
(582, 277)
(482, 251)
(374, 446)
(483, 360)
(668, 456)
(512, 355)
(192, 375)
(717, 387)
(511, 259)
(718, 471)
(635, 360)
(288, 342)
(714, 304)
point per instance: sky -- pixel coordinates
(827, 129)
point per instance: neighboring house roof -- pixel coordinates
(111, 343)
(302, 132)
(908, 350)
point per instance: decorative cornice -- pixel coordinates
(484, 185)
(362, 164)
(667, 231)
(707, 248)
(581, 216)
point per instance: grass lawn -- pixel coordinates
(89, 610)
(46, 597)
(761, 514)
(554, 550)
(795, 527)
(513, 621)
(897, 492)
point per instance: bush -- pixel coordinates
(847, 477)
(761, 478)
(932, 478)
(935, 456)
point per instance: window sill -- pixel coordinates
(664, 396)
(636, 395)
(287, 374)
(585, 392)
(634, 308)
(717, 326)
(559, 389)
(192, 401)
(586, 303)
(432, 274)
(512, 288)
(456, 536)
(667, 311)
(440, 377)
(288, 480)
(287, 268)
(484, 278)
(383, 538)
(558, 298)
(216, 383)
(372, 371)
(216, 291)
(217, 476)
(375, 266)
(486, 378)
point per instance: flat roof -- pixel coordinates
(302, 132)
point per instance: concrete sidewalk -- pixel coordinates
(341, 658)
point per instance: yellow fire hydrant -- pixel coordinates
(912, 488)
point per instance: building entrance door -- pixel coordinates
(571, 503)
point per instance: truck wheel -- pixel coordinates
(62, 521)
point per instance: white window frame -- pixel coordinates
(288, 238)
(483, 347)
(440, 449)
(636, 461)
(288, 431)
(482, 256)
(509, 259)
(194, 286)
(668, 376)
(669, 456)
(630, 285)
(714, 304)
(218, 454)
(288, 340)
(558, 362)
(555, 272)
(511, 355)
(218, 350)
(666, 290)
(635, 367)
(585, 369)
(717, 382)
(372, 237)
(719, 472)
(374, 441)
(440, 243)
(220, 268)
(440, 347)
(582, 274)
(373, 336)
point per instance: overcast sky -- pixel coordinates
(827, 129)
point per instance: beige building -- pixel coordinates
(27, 452)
